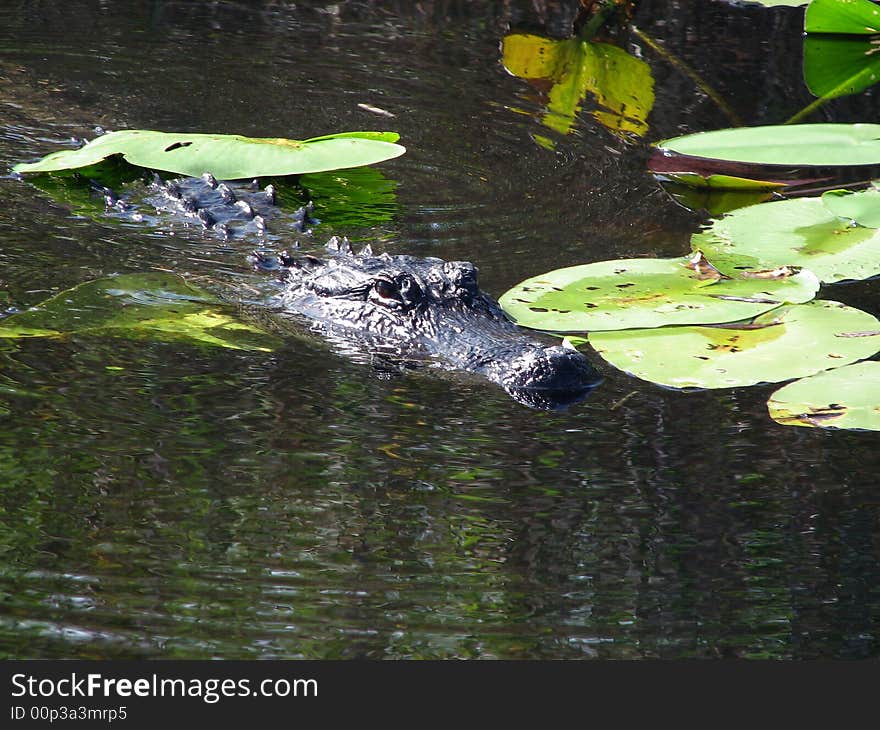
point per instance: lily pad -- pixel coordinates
(861, 207)
(801, 145)
(226, 156)
(851, 17)
(798, 232)
(627, 293)
(715, 202)
(848, 397)
(724, 182)
(156, 305)
(777, 3)
(788, 342)
(838, 66)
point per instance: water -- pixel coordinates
(169, 500)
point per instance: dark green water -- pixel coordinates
(171, 500)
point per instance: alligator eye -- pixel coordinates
(386, 290)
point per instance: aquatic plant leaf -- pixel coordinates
(723, 182)
(839, 66)
(622, 84)
(801, 145)
(716, 202)
(797, 232)
(226, 156)
(777, 3)
(847, 397)
(785, 343)
(156, 305)
(852, 17)
(862, 207)
(627, 293)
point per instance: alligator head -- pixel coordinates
(411, 308)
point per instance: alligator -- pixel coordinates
(401, 308)
(426, 309)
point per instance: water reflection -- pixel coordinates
(565, 71)
(164, 500)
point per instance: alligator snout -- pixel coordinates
(545, 377)
(551, 368)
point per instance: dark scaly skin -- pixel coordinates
(402, 308)
(427, 309)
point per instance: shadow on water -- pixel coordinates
(165, 499)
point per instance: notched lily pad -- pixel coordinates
(798, 232)
(846, 398)
(788, 342)
(155, 305)
(628, 293)
(226, 156)
(862, 208)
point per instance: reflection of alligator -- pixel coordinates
(400, 307)
(424, 308)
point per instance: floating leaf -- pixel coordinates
(861, 207)
(706, 173)
(157, 305)
(852, 17)
(626, 293)
(777, 3)
(622, 84)
(723, 182)
(835, 66)
(801, 145)
(785, 343)
(227, 156)
(848, 397)
(715, 202)
(798, 232)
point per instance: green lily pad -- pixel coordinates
(156, 305)
(627, 293)
(715, 202)
(848, 397)
(798, 232)
(839, 66)
(785, 343)
(723, 182)
(851, 17)
(800, 145)
(226, 156)
(861, 207)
